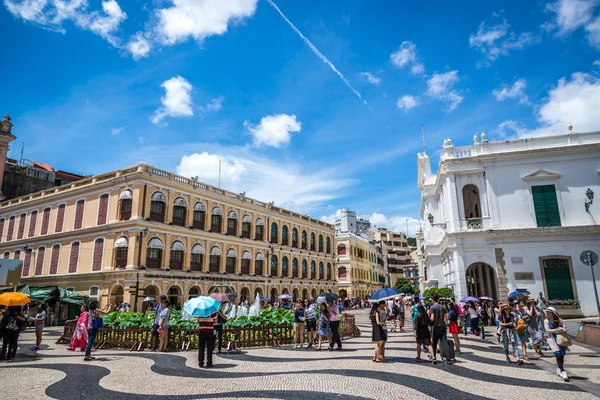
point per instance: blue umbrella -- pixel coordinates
(263, 298)
(519, 293)
(384, 294)
(202, 306)
(469, 298)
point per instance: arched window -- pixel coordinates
(258, 264)
(295, 237)
(32, 223)
(329, 271)
(98, 255)
(273, 265)
(230, 261)
(154, 253)
(321, 270)
(79, 209)
(39, 261)
(232, 221)
(471, 201)
(174, 295)
(246, 259)
(341, 249)
(284, 267)
(304, 240)
(274, 231)
(216, 220)
(313, 244)
(313, 270)
(125, 200)
(295, 267)
(21, 230)
(103, 209)
(179, 211)
(197, 256)
(260, 229)
(246, 226)
(214, 263)
(328, 245)
(158, 202)
(199, 216)
(176, 256)
(320, 243)
(284, 235)
(121, 247)
(304, 269)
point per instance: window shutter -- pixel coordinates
(21, 230)
(45, 221)
(546, 205)
(74, 258)
(11, 228)
(1, 229)
(98, 250)
(17, 255)
(60, 218)
(32, 222)
(79, 214)
(27, 263)
(103, 209)
(558, 279)
(39, 261)
(54, 259)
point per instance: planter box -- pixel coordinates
(569, 311)
(589, 334)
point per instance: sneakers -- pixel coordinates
(508, 360)
(558, 372)
(309, 346)
(35, 348)
(294, 347)
(564, 376)
(519, 362)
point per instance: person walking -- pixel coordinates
(206, 340)
(507, 332)
(334, 310)
(422, 332)
(558, 339)
(311, 322)
(221, 319)
(401, 314)
(324, 329)
(157, 308)
(543, 303)
(10, 328)
(473, 318)
(439, 317)
(392, 315)
(164, 325)
(299, 318)
(40, 321)
(80, 336)
(453, 326)
(497, 311)
(533, 326)
(93, 315)
(379, 334)
(521, 320)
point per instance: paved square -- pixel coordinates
(479, 373)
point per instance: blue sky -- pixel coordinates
(314, 105)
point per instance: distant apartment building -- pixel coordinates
(348, 221)
(399, 260)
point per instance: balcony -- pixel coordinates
(474, 224)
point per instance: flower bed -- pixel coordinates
(570, 303)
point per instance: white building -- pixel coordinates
(501, 216)
(349, 222)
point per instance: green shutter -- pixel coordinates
(546, 205)
(558, 279)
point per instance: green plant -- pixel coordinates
(267, 316)
(442, 292)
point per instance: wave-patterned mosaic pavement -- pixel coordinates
(284, 373)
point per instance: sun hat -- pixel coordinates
(531, 300)
(552, 310)
(506, 306)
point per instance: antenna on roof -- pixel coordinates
(423, 136)
(22, 150)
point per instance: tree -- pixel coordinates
(412, 242)
(442, 292)
(404, 285)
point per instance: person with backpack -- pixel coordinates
(439, 319)
(10, 328)
(507, 332)
(453, 317)
(558, 339)
(422, 333)
(521, 319)
(94, 324)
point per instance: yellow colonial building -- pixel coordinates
(362, 266)
(164, 234)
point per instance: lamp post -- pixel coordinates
(590, 195)
(140, 239)
(430, 219)
(590, 258)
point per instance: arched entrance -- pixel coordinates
(245, 295)
(471, 201)
(116, 294)
(151, 290)
(481, 281)
(258, 291)
(174, 296)
(274, 295)
(295, 294)
(321, 291)
(193, 292)
(313, 293)
(304, 294)
(343, 293)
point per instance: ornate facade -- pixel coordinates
(164, 234)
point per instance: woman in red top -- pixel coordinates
(206, 339)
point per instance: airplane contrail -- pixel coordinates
(317, 52)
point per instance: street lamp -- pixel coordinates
(430, 219)
(140, 238)
(590, 195)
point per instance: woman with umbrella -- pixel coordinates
(205, 309)
(12, 322)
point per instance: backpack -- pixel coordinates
(521, 327)
(395, 309)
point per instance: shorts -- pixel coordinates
(391, 317)
(155, 330)
(401, 316)
(311, 325)
(298, 328)
(424, 341)
(453, 328)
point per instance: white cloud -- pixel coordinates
(372, 78)
(214, 105)
(440, 86)
(395, 223)
(575, 100)
(141, 140)
(597, 63)
(177, 101)
(317, 52)
(510, 128)
(495, 40)
(570, 15)
(407, 102)
(51, 14)
(139, 46)
(274, 130)
(406, 56)
(116, 131)
(516, 91)
(289, 185)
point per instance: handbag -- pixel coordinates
(97, 323)
(563, 339)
